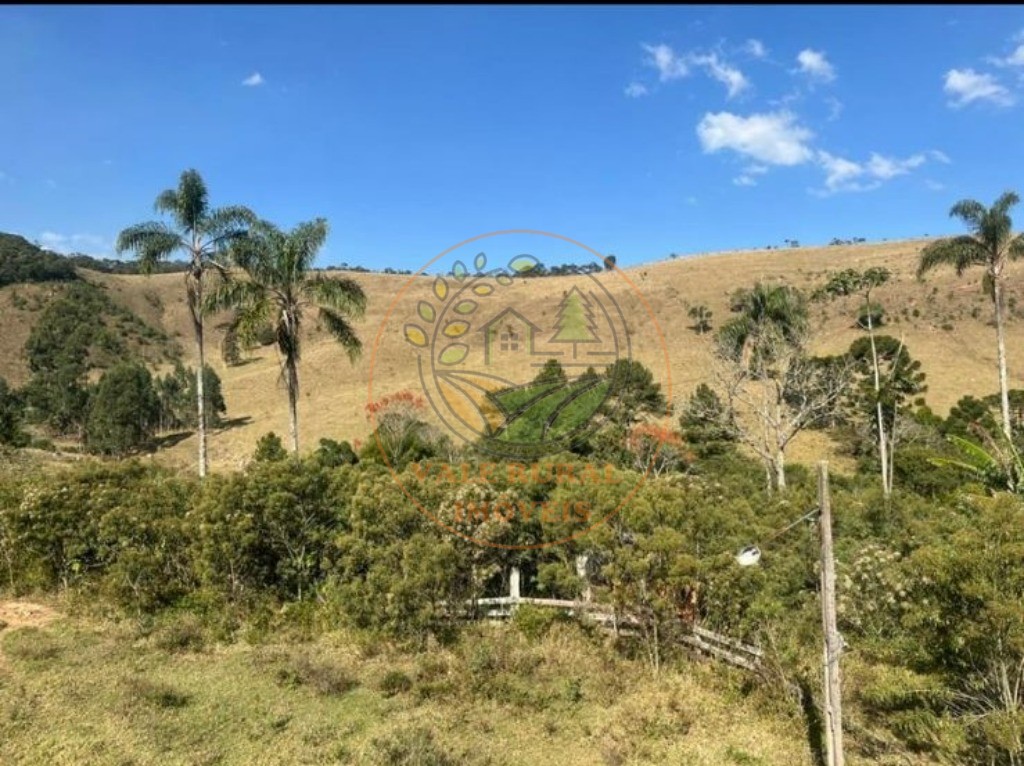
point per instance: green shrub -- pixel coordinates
(395, 682)
(414, 746)
(156, 693)
(31, 645)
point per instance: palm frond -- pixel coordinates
(306, 239)
(339, 328)
(150, 242)
(960, 252)
(1006, 201)
(342, 295)
(970, 211)
(239, 294)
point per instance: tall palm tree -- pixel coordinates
(990, 244)
(203, 234)
(280, 288)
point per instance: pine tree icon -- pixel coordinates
(575, 322)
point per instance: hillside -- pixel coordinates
(945, 321)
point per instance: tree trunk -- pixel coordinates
(292, 380)
(882, 441)
(780, 470)
(1004, 392)
(197, 325)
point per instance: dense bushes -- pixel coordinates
(930, 590)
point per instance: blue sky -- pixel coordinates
(637, 131)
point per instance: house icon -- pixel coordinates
(507, 334)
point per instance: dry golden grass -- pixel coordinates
(334, 392)
(76, 691)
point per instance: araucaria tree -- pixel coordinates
(851, 282)
(202, 234)
(991, 244)
(773, 389)
(279, 288)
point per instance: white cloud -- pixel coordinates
(664, 59)
(772, 138)
(749, 175)
(755, 48)
(940, 156)
(636, 90)
(965, 86)
(73, 243)
(253, 80)
(732, 78)
(890, 167)
(1014, 59)
(842, 174)
(815, 65)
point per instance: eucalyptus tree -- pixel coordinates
(203, 234)
(991, 245)
(278, 289)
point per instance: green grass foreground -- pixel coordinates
(78, 690)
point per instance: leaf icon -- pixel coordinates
(415, 335)
(459, 271)
(453, 354)
(440, 288)
(456, 328)
(480, 262)
(426, 311)
(465, 307)
(523, 263)
(483, 289)
(503, 279)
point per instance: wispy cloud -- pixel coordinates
(254, 80)
(842, 175)
(815, 65)
(733, 79)
(965, 86)
(835, 108)
(672, 65)
(1015, 59)
(770, 138)
(72, 243)
(664, 59)
(636, 90)
(749, 175)
(755, 48)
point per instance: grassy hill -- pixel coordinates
(946, 322)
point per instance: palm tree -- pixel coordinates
(990, 244)
(203, 234)
(768, 315)
(279, 289)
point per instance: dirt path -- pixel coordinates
(23, 614)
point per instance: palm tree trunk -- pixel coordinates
(1004, 392)
(292, 381)
(197, 326)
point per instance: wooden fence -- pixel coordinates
(605, 616)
